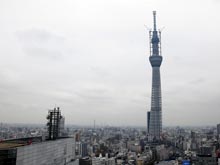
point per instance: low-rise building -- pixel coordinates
(36, 151)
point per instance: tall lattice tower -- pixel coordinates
(155, 116)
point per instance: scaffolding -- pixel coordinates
(53, 124)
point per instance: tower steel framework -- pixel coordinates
(155, 115)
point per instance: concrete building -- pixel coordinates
(81, 149)
(218, 130)
(205, 160)
(53, 150)
(62, 126)
(134, 147)
(36, 151)
(155, 114)
(148, 122)
(84, 149)
(103, 161)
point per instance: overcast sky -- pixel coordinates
(90, 58)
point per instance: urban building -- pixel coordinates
(155, 114)
(218, 130)
(148, 122)
(103, 161)
(205, 160)
(81, 149)
(37, 151)
(51, 150)
(85, 161)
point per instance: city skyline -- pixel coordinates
(91, 60)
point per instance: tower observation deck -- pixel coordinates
(154, 116)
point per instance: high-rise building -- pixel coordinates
(81, 149)
(155, 115)
(148, 121)
(218, 129)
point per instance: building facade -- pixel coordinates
(49, 152)
(218, 130)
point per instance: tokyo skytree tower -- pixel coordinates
(154, 116)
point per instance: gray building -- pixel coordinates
(155, 115)
(218, 130)
(53, 150)
(148, 121)
(205, 160)
(35, 151)
(81, 149)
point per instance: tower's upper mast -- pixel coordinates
(155, 37)
(155, 44)
(154, 14)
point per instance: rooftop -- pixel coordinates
(7, 145)
(13, 143)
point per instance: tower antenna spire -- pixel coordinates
(154, 14)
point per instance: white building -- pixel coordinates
(103, 161)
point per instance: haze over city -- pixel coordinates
(91, 59)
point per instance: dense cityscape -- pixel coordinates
(125, 145)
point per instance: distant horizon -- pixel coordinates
(100, 126)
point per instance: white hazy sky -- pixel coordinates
(90, 57)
